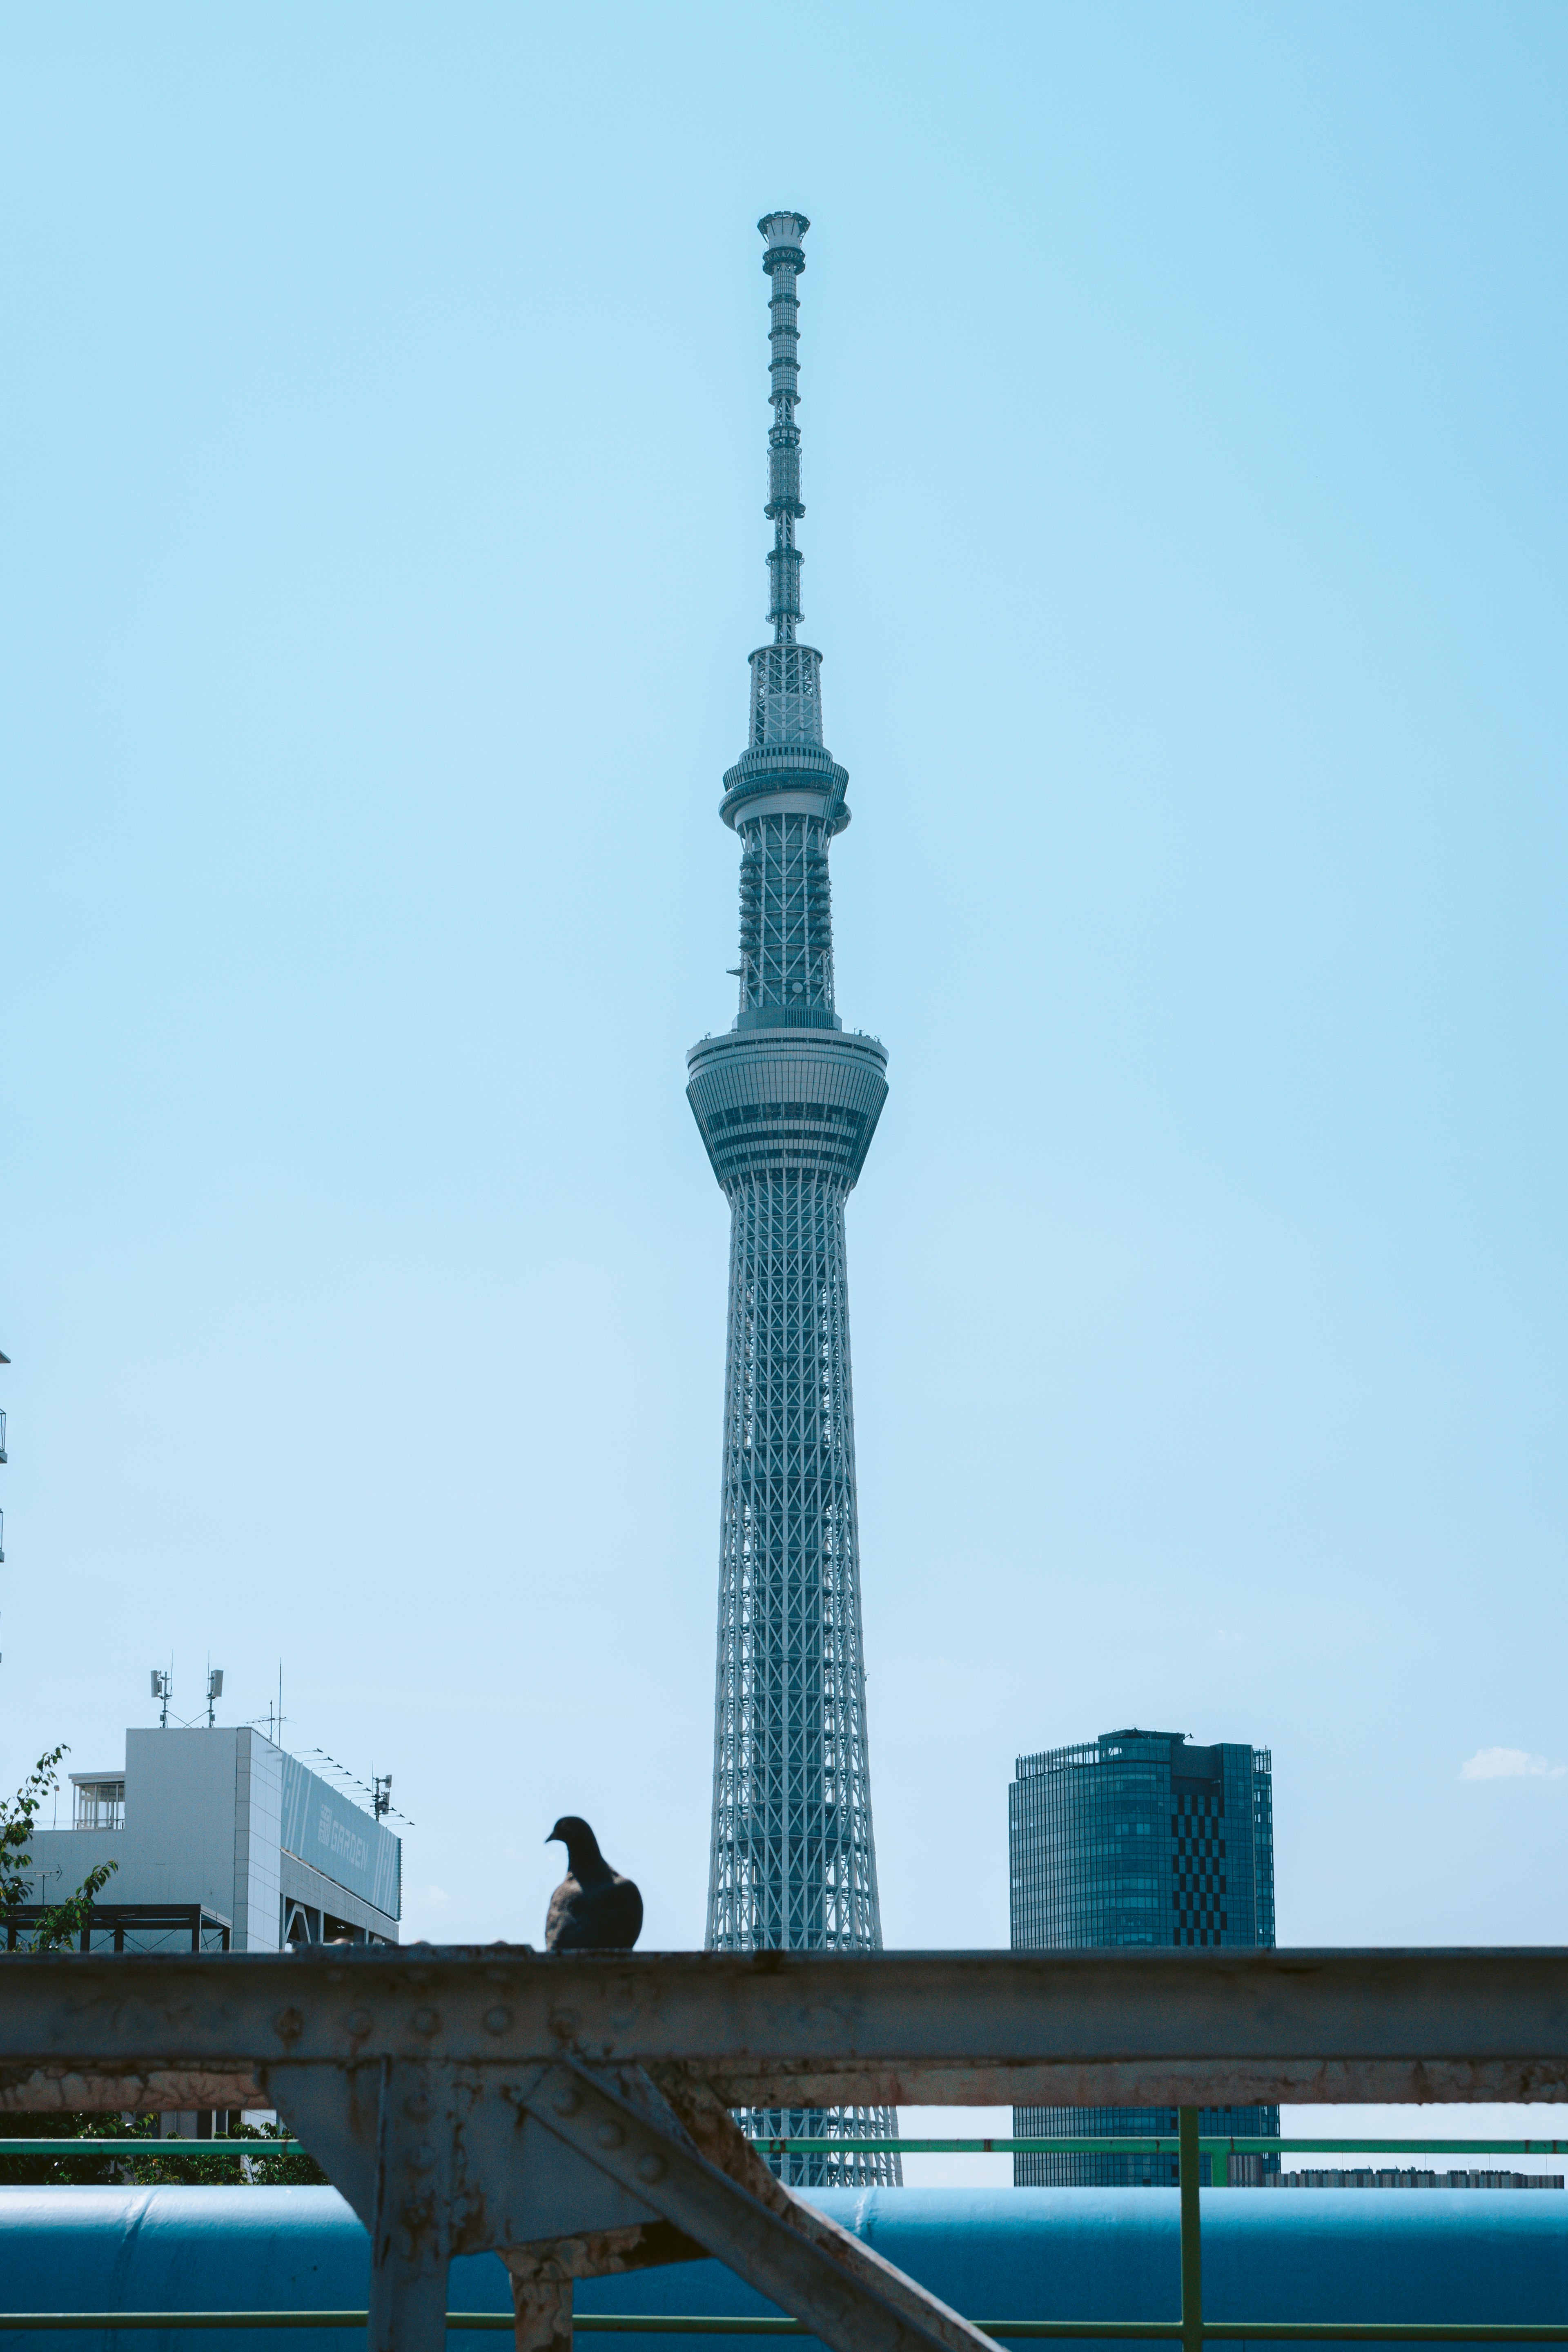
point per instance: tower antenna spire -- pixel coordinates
(784, 261)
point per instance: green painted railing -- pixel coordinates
(1162, 2146)
(629, 2323)
(1169, 2146)
(1191, 2330)
(113, 2143)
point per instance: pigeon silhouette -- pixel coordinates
(594, 1909)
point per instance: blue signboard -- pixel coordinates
(327, 1829)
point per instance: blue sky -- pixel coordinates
(382, 435)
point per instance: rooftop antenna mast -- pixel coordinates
(162, 1689)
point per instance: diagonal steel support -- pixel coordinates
(694, 2167)
(577, 2171)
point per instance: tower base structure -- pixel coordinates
(787, 1115)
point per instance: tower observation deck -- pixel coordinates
(788, 1101)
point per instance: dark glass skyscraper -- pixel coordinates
(1139, 1837)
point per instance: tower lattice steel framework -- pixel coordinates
(788, 1101)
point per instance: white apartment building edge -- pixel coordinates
(227, 1819)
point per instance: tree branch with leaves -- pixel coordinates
(61, 1924)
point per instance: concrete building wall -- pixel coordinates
(257, 1825)
(180, 1819)
(203, 1823)
(62, 1858)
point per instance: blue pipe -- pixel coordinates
(1006, 2253)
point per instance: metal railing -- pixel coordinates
(1168, 2146)
(1189, 2329)
(409, 2074)
(620, 2323)
(193, 1922)
(1238, 2145)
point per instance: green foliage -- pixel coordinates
(18, 1816)
(278, 2171)
(61, 1924)
(163, 2163)
(60, 1928)
(80, 2169)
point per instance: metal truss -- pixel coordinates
(787, 913)
(787, 1105)
(793, 1865)
(569, 2111)
(786, 696)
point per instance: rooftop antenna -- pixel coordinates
(162, 1688)
(379, 1792)
(215, 1690)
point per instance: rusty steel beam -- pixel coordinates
(571, 2111)
(1110, 2028)
(691, 2164)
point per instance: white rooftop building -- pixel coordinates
(222, 1841)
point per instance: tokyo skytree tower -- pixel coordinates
(788, 1101)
